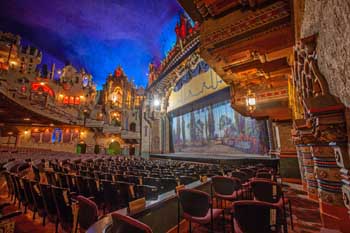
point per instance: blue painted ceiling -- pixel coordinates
(98, 35)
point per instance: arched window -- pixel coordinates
(132, 127)
(117, 97)
(128, 99)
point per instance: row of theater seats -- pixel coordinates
(255, 202)
(111, 182)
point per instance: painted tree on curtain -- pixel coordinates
(183, 130)
(192, 127)
(219, 127)
(211, 123)
(178, 131)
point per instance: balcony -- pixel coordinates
(111, 129)
(130, 135)
(94, 123)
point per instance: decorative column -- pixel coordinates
(328, 180)
(302, 137)
(301, 166)
(271, 137)
(286, 151)
(325, 122)
(330, 128)
(342, 157)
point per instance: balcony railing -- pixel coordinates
(125, 134)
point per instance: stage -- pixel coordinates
(235, 159)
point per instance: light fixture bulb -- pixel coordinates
(156, 102)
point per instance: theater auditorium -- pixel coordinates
(176, 116)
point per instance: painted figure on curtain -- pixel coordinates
(219, 129)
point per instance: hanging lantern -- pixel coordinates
(250, 101)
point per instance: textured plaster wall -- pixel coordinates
(284, 130)
(330, 19)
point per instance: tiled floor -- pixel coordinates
(306, 215)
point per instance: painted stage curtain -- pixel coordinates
(218, 128)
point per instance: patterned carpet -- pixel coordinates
(306, 216)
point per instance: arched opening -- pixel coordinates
(117, 97)
(114, 148)
(132, 150)
(132, 127)
(81, 148)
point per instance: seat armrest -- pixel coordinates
(4, 205)
(10, 215)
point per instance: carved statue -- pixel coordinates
(151, 73)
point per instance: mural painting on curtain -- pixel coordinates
(219, 129)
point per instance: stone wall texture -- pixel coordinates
(330, 19)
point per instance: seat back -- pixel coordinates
(146, 191)
(126, 192)
(168, 184)
(20, 189)
(88, 212)
(28, 193)
(187, 179)
(36, 172)
(240, 175)
(37, 198)
(62, 201)
(51, 179)
(49, 203)
(92, 185)
(225, 185)
(110, 194)
(256, 216)
(250, 172)
(266, 190)
(152, 181)
(126, 224)
(62, 180)
(194, 202)
(14, 185)
(71, 181)
(9, 182)
(82, 186)
(264, 175)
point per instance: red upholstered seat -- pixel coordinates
(256, 216)
(236, 195)
(88, 213)
(205, 219)
(197, 207)
(271, 192)
(126, 224)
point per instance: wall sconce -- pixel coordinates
(156, 102)
(250, 101)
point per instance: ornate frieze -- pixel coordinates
(241, 24)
